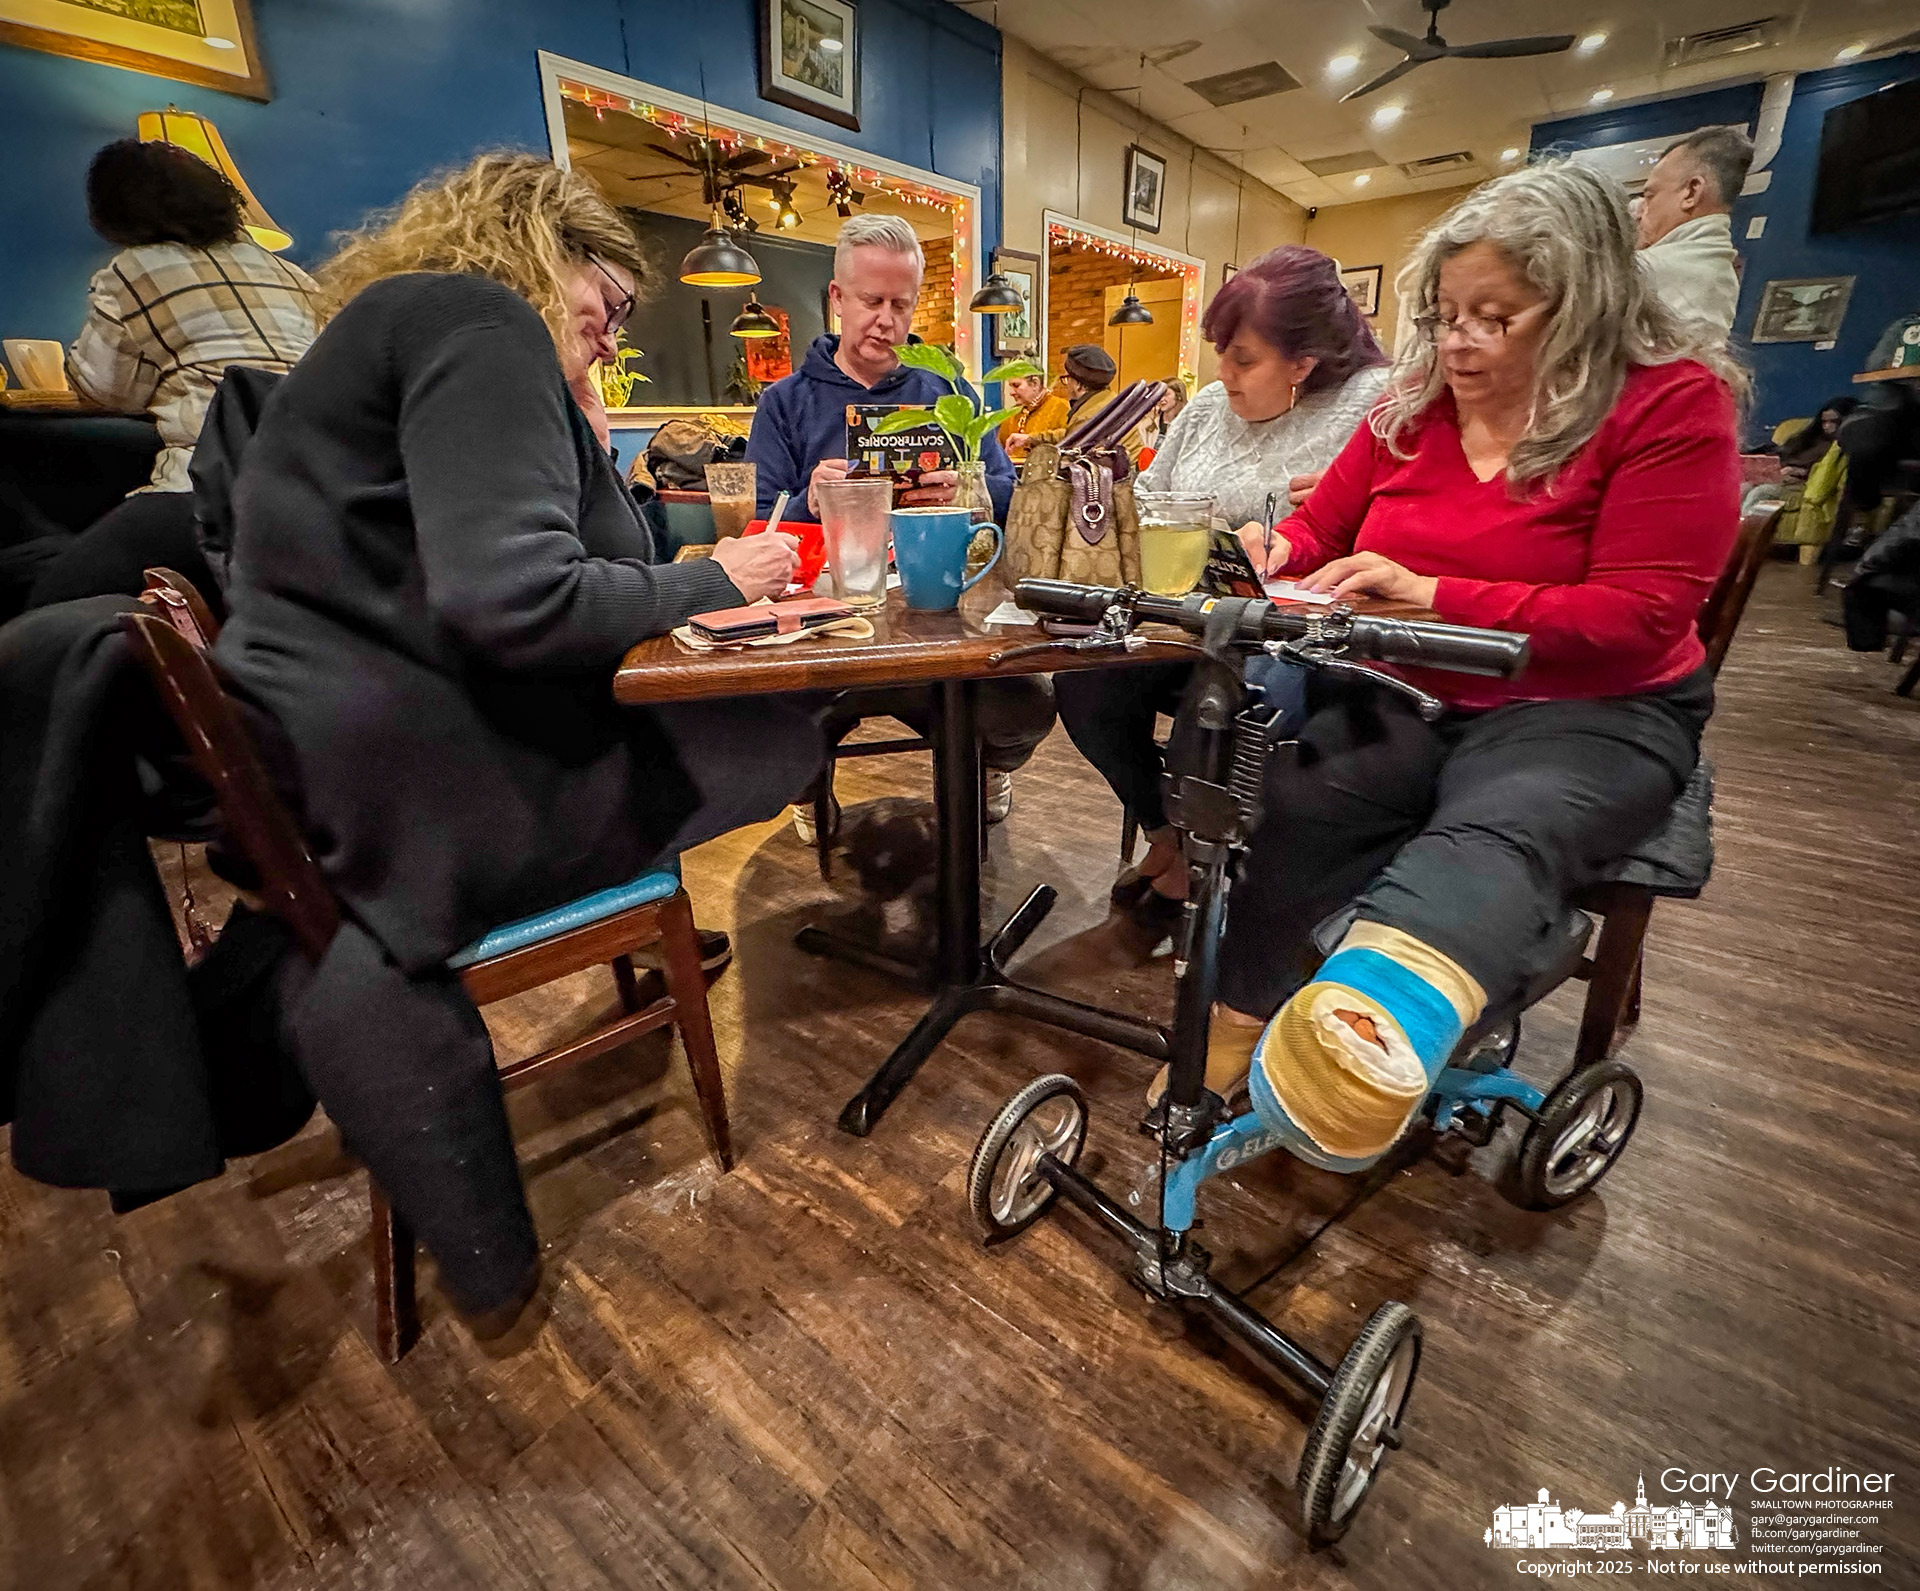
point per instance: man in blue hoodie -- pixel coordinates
(799, 439)
(800, 423)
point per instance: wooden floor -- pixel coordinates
(810, 1374)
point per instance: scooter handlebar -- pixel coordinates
(1500, 654)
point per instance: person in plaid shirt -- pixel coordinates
(187, 296)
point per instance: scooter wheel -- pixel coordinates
(1583, 1127)
(1359, 1422)
(1005, 1189)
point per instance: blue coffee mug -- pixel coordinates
(930, 551)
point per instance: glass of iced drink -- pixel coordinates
(853, 517)
(730, 489)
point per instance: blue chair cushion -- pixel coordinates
(655, 884)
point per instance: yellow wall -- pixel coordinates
(1038, 175)
(1380, 232)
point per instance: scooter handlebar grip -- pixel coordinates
(1498, 654)
(1064, 599)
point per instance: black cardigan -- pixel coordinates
(436, 570)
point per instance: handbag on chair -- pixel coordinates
(1072, 516)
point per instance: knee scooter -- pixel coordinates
(1215, 779)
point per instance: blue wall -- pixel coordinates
(370, 95)
(1792, 378)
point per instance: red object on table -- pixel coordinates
(813, 546)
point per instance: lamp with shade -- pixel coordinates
(754, 321)
(189, 130)
(717, 261)
(997, 296)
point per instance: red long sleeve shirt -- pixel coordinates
(1606, 569)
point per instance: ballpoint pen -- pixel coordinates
(1266, 548)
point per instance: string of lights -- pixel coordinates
(600, 101)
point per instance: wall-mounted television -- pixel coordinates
(1869, 160)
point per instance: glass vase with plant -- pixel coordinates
(960, 415)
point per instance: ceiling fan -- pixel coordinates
(720, 171)
(1419, 51)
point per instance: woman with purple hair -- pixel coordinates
(1299, 372)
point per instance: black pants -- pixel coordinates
(1109, 714)
(1868, 600)
(1468, 834)
(1013, 715)
(148, 530)
(404, 1065)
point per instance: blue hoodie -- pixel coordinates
(802, 419)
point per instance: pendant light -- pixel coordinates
(754, 321)
(187, 130)
(998, 296)
(717, 261)
(1131, 311)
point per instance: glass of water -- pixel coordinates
(854, 519)
(1175, 528)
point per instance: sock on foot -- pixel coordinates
(1229, 1058)
(1350, 1056)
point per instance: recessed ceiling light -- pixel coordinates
(213, 42)
(1510, 154)
(1342, 65)
(1591, 42)
(1852, 52)
(1387, 115)
(1600, 96)
(1363, 179)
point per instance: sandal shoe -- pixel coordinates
(1156, 913)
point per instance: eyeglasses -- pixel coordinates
(1482, 329)
(619, 314)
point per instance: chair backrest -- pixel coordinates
(291, 883)
(176, 600)
(1720, 613)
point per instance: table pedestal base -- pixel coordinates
(991, 990)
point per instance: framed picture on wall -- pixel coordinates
(1016, 332)
(1363, 287)
(810, 57)
(210, 43)
(1145, 198)
(1802, 309)
(1228, 273)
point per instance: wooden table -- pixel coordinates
(949, 652)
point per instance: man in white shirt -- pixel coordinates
(1686, 230)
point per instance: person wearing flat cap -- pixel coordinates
(1086, 382)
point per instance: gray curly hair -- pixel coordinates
(1567, 229)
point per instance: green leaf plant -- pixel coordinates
(956, 413)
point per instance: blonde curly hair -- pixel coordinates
(1567, 229)
(513, 218)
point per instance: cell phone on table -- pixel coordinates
(767, 618)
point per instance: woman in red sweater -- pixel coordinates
(1554, 455)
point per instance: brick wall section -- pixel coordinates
(1077, 283)
(933, 315)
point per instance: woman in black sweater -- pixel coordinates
(436, 570)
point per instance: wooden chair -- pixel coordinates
(1612, 971)
(826, 810)
(603, 929)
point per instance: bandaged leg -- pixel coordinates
(1350, 1057)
